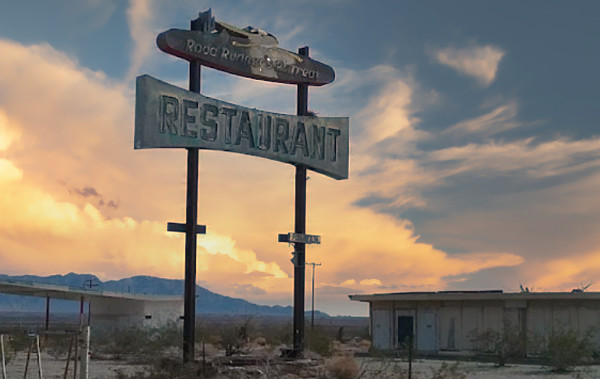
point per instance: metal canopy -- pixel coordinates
(71, 293)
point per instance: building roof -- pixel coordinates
(73, 293)
(474, 295)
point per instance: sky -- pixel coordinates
(474, 148)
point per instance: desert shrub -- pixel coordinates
(230, 340)
(58, 345)
(342, 367)
(260, 341)
(566, 349)
(14, 343)
(279, 334)
(137, 342)
(129, 341)
(501, 346)
(364, 345)
(167, 336)
(319, 342)
(447, 371)
(19, 342)
(233, 336)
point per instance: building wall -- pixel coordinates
(451, 326)
(115, 313)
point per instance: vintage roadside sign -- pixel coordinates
(167, 116)
(301, 238)
(248, 52)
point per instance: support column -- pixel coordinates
(300, 227)
(47, 312)
(203, 22)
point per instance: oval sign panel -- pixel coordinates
(248, 52)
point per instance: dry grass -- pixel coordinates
(342, 367)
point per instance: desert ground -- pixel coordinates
(305, 368)
(250, 347)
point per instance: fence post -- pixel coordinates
(39, 355)
(84, 370)
(3, 360)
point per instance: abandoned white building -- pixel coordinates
(449, 321)
(105, 309)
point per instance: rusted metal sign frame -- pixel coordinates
(167, 116)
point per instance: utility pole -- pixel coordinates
(312, 318)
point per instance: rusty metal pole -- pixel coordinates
(191, 218)
(300, 227)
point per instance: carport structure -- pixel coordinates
(104, 308)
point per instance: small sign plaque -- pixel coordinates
(301, 238)
(169, 116)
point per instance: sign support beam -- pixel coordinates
(300, 227)
(191, 217)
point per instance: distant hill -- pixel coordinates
(207, 302)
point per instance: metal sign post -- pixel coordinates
(191, 217)
(300, 227)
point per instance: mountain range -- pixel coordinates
(207, 302)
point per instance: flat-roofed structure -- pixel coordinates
(450, 321)
(106, 309)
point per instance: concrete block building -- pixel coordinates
(447, 322)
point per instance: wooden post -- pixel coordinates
(39, 356)
(27, 361)
(3, 359)
(84, 355)
(69, 357)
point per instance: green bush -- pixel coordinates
(137, 342)
(319, 342)
(501, 346)
(566, 349)
(13, 343)
(278, 334)
(57, 345)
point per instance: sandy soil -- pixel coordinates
(376, 368)
(370, 368)
(53, 368)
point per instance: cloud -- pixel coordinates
(499, 119)
(478, 62)
(140, 18)
(565, 274)
(8, 171)
(82, 138)
(82, 135)
(87, 192)
(553, 158)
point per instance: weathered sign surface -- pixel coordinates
(302, 238)
(237, 51)
(169, 116)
